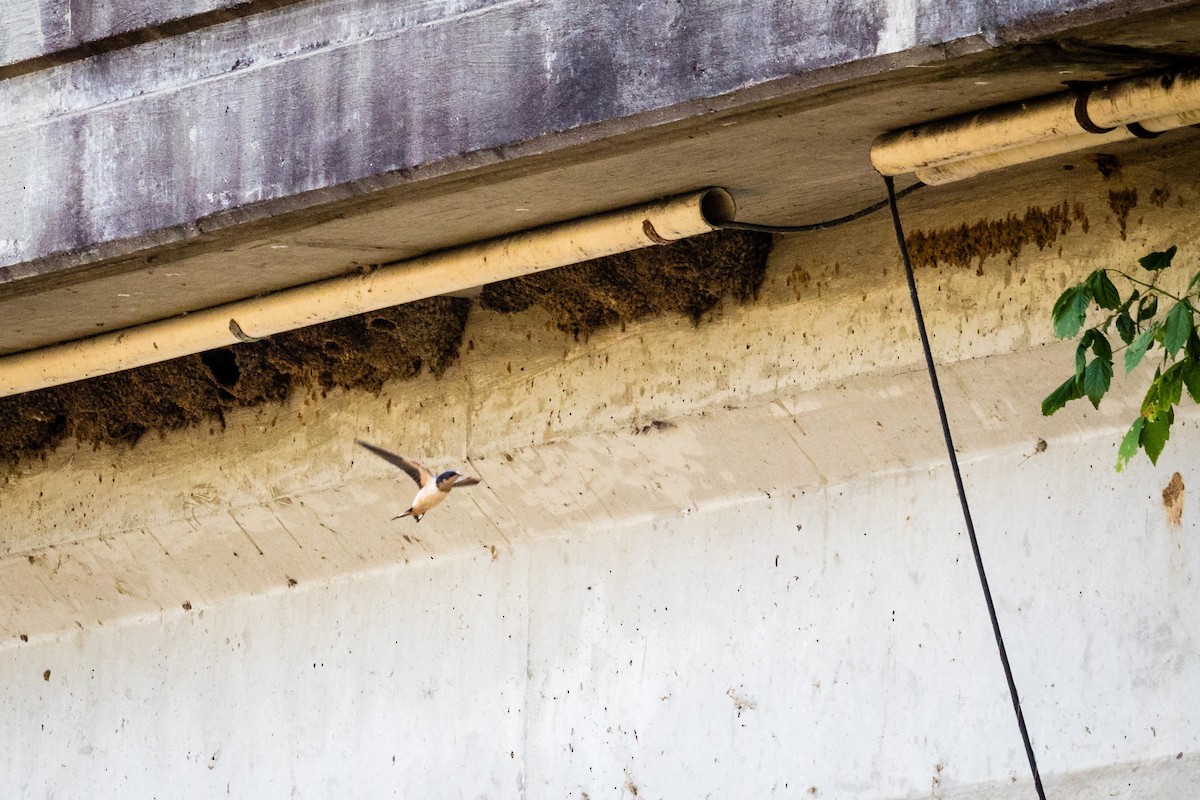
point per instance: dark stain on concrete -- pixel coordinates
(975, 243)
(1107, 164)
(1122, 201)
(937, 21)
(591, 83)
(857, 26)
(687, 277)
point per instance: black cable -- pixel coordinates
(819, 226)
(962, 495)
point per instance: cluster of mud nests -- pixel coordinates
(687, 277)
(363, 352)
(973, 244)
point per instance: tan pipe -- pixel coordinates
(949, 171)
(987, 131)
(1158, 102)
(402, 282)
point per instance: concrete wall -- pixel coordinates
(768, 594)
(828, 642)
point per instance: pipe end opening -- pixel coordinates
(717, 207)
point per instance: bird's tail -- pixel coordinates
(408, 513)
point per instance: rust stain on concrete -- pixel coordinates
(1172, 498)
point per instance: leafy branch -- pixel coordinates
(1140, 327)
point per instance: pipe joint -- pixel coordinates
(1086, 116)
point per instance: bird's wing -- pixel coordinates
(466, 482)
(415, 471)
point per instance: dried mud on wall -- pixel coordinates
(971, 244)
(364, 352)
(975, 243)
(688, 277)
(359, 352)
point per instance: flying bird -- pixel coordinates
(433, 490)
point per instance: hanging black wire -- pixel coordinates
(820, 226)
(962, 494)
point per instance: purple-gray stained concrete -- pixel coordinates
(305, 103)
(39, 33)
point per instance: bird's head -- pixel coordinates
(447, 479)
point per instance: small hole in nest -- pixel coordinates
(222, 363)
(381, 324)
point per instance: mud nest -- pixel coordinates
(689, 277)
(364, 352)
(975, 243)
(357, 352)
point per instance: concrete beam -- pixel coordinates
(316, 101)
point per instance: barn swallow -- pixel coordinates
(432, 490)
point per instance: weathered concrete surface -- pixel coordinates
(768, 593)
(830, 639)
(309, 108)
(46, 32)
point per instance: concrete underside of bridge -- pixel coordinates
(711, 557)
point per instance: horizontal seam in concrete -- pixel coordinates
(300, 55)
(137, 36)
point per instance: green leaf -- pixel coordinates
(1170, 387)
(1101, 347)
(1155, 434)
(1147, 307)
(1139, 346)
(1070, 310)
(1125, 327)
(1103, 290)
(1071, 389)
(1156, 261)
(1096, 379)
(1085, 341)
(1177, 328)
(1193, 346)
(1191, 378)
(1129, 445)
